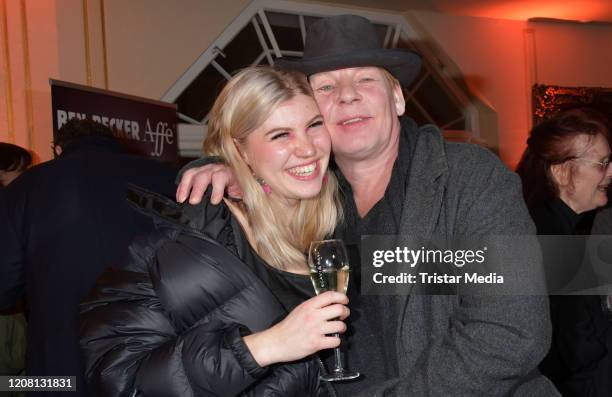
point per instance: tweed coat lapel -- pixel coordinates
(425, 188)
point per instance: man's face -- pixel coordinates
(360, 108)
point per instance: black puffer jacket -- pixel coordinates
(171, 322)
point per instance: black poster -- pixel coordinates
(142, 125)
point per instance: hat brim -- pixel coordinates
(402, 64)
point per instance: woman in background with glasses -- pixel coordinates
(566, 174)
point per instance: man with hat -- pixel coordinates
(399, 179)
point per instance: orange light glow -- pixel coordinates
(580, 10)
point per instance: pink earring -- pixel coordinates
(266, 188)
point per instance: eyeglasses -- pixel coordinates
(603, 165)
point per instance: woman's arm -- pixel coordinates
(140, 330)
(130, 342)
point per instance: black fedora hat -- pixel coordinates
(345, 41)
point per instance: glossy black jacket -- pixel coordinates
(171, 322)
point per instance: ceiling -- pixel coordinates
(571, 10)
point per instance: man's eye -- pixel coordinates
(366, 79)
(280, 135)
(325, 88)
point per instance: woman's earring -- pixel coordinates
(266, 188)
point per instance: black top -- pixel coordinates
(578, 362)
(371, 348)
(557, 218)
(563, 256)
(289, 288)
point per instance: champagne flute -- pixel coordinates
(329, 271)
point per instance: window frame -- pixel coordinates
(399, 27)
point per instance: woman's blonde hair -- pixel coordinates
(243, 105)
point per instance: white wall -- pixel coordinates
(141, 47)
(138, 47)
(574, 55)
(495, 58)
(28, 57)
(152, 42)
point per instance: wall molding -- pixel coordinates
(88, 79)
(8, 86)
(531, 69)
(27, 77)
(104, 52)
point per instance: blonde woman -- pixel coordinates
(218, 300)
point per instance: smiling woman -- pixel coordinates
(222, 294)
(567, 158)
(267, 126)
(565, 172)
(289, 150)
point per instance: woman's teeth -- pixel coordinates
(303, 170)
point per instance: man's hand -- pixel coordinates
(195, 181)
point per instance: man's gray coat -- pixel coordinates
(460, 345)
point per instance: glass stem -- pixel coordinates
(338, 358)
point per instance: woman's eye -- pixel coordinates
(279, 135)
(316, 124)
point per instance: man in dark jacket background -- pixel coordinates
(61, 224)
(14, 160)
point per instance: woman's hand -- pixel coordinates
(303, 332)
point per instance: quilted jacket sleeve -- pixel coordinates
(133, 345)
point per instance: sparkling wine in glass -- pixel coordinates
(329, 271)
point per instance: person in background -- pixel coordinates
(13, 161)
(566, 174)
(221, 295)
(397, 178)
(66, 220)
